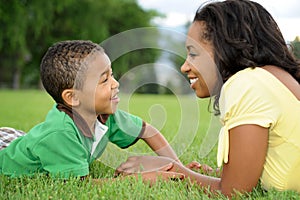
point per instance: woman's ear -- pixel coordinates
(70, 98)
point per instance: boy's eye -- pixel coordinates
(104, 79)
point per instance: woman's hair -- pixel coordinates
(244, 34)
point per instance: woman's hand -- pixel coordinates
(203, 168)
(153, 176)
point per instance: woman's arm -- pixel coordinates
(247, 152)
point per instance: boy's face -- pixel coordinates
(99, 94)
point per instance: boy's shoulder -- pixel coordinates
(123, 117)
(57, 127)
(122, 120)
(58, 118)
(56, 121)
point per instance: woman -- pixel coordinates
(237, 54)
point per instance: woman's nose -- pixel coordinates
(185, 67)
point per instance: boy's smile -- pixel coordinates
(115, 98)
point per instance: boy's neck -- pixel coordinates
(85, 123)
(103, 118)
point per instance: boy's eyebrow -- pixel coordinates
(105, 72)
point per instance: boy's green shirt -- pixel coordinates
(57, 147)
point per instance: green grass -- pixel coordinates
(23, 109)
(177, 118)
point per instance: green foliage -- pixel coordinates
(296, 47)
(29, 27)
(25, 108)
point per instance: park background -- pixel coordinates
(29, 27)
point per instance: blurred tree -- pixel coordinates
(296, 47)
(29, 27)
(12, 40)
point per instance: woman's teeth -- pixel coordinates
(193, 80)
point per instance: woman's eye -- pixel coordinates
(192, 54)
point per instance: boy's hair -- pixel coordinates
(64, 66)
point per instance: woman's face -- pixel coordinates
(199, 64)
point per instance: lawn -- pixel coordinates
(185, 122)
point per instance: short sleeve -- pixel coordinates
(124, 128)
(62, 155)
(244, 99)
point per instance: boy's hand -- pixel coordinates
(137, 164)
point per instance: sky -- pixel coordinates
(178, 12)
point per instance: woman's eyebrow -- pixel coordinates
(189, 47)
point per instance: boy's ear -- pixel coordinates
(70, 98)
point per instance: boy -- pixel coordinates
(78, 76)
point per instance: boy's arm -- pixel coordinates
(157, 142)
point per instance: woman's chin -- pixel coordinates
(201, 94)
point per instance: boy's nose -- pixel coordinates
(115, 84)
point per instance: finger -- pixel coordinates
(177, 176)
(194, 165)
(218, 172)
(206, 168)
(124, 169)
(130, 170)
(125, 172)
(132, 159)
(167, 167)
(121, 172)
(117, 173)
(125, 165)
(170, 175)
(160, 167)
